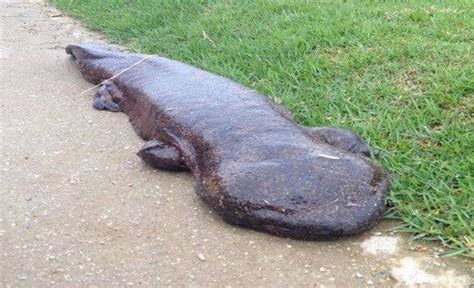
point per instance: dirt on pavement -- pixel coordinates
(79, 208)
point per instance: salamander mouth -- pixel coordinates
(276, 229)
(301, 233)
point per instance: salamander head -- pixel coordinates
(315, 196)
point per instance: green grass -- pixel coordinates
(399, 73)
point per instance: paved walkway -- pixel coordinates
(78, 208)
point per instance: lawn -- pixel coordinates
(399, 73)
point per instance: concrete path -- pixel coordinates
(78, 207)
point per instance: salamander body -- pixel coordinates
(251, 162)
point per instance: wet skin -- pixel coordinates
(251, 162)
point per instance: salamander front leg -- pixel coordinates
(107, 98)
(343, 139)
(162, 156)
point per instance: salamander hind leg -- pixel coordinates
(162, 156)
(107, 98)
(343, 139)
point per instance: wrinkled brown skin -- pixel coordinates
(252, 163)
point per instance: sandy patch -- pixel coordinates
(380, 245)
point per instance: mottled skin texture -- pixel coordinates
(252, 163)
